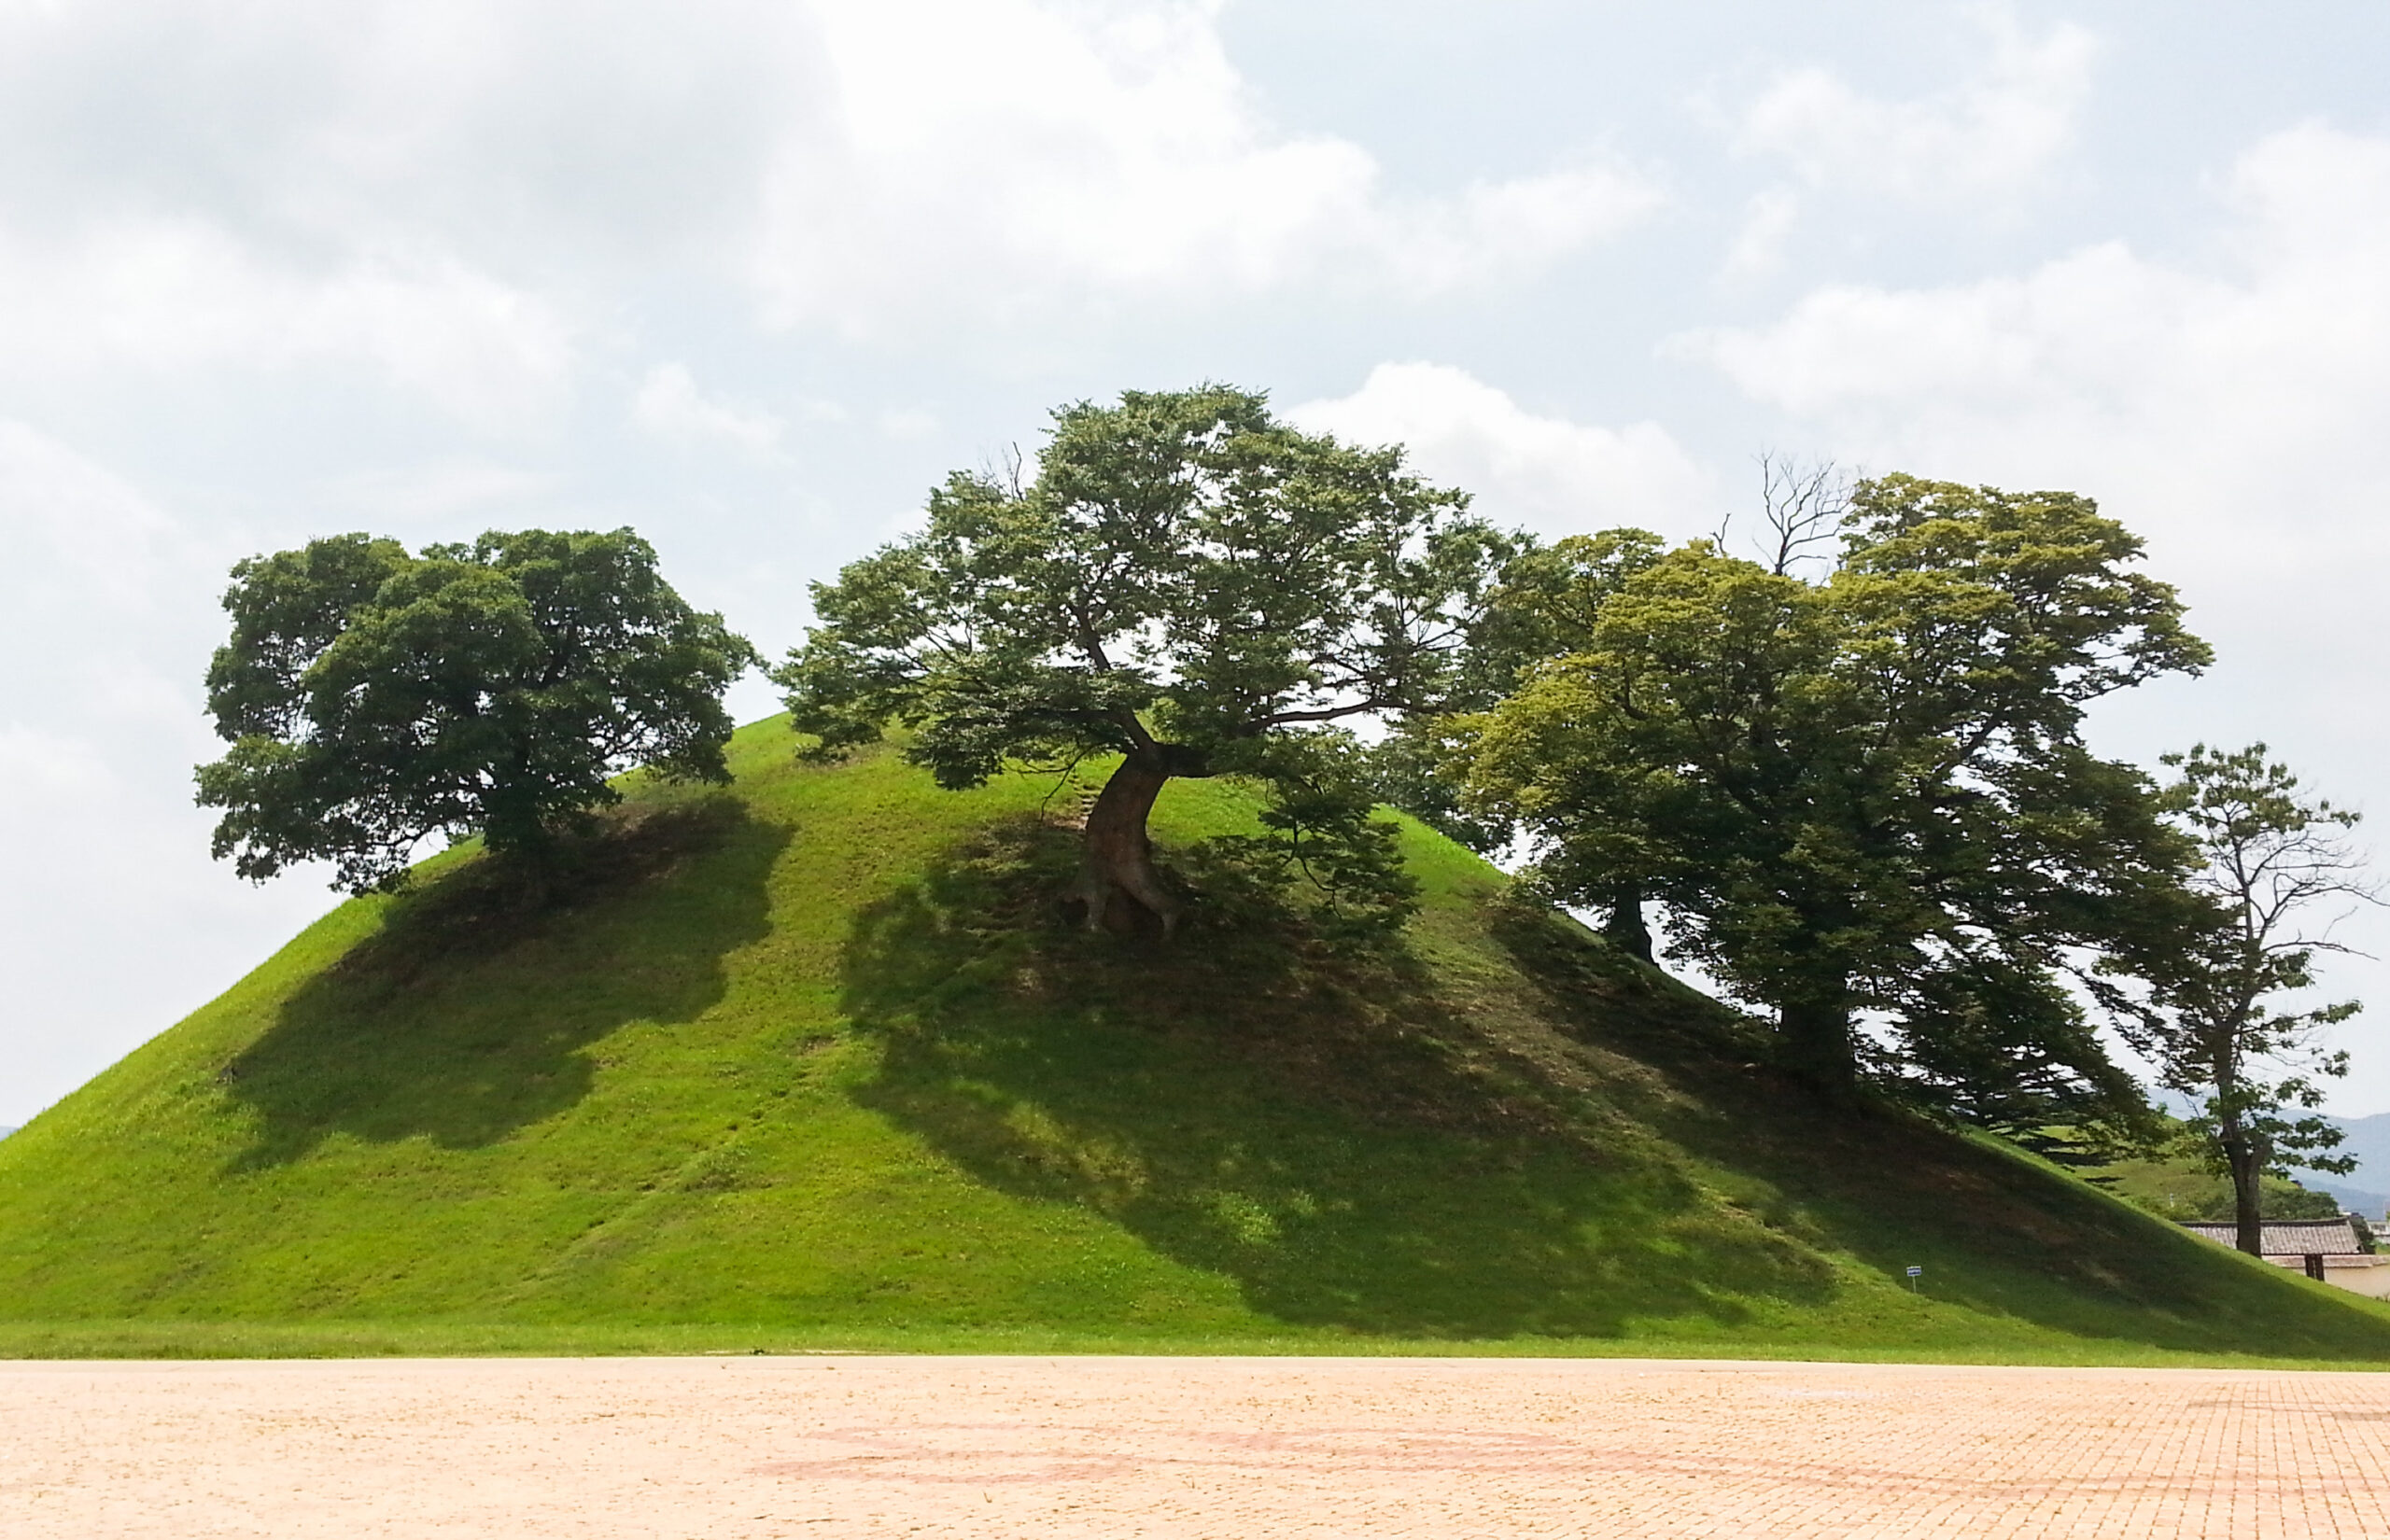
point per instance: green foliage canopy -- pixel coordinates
(1864, 799)
(1188, 583)
(372, 697)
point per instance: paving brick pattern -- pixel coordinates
(833, 1447)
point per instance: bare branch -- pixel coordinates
(1802, 507)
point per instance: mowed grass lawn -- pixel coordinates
(818, 1063)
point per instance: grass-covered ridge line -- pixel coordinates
(816, 1062)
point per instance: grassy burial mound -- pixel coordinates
(820, 1058)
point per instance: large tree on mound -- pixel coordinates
(374, 697)
(1864, 799)
(1188, 583)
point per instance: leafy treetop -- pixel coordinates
(1864, 796)
(1188, 583)
(373, 698)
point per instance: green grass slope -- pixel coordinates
(817, 1060)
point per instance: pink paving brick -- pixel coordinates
(825, 1447)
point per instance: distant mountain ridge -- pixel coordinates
(2363, 1189)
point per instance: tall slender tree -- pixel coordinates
(2223, 970)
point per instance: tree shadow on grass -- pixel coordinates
(464, 1018)
(1994, 1232)
(1313, 1123)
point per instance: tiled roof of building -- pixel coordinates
(2293, 1236)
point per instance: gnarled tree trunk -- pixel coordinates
(1119, 855)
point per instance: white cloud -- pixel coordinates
(182, 293)
(908, 423)
(1556, 476)
(1497, 230)
(1995, 134)
(99, 584)
(1006, 157)
(1768, 225)
(670, 406)
(429, 494)
(64, 518)
(107, 604)
(2257, 391)
(455, 199)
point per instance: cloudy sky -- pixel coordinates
(751, 277)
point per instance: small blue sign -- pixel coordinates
(1917, 1272)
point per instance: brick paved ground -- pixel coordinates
(827, 1448)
